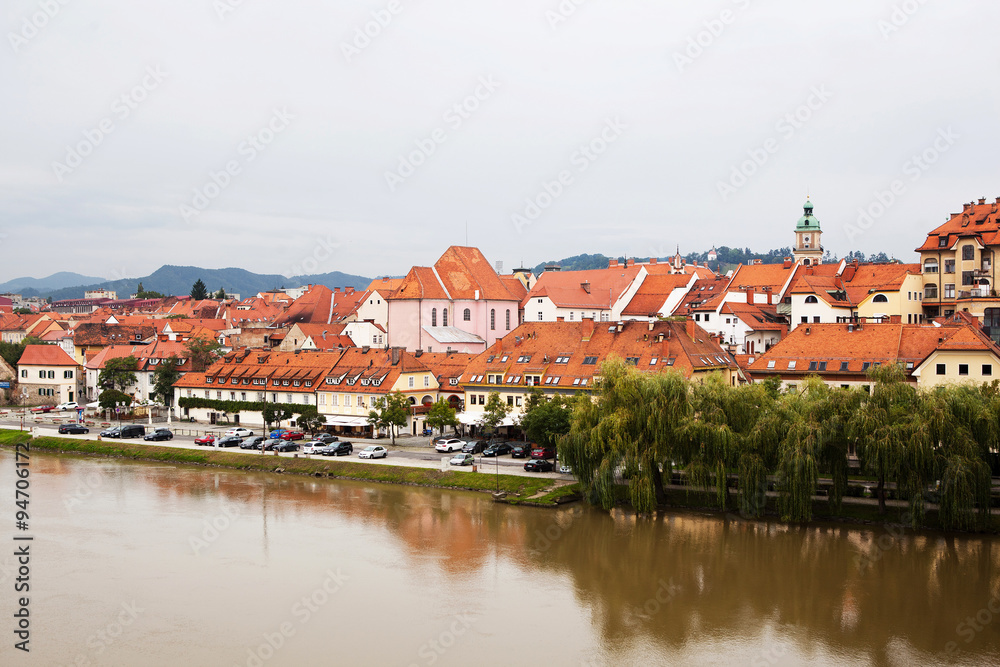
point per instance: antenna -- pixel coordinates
(466, 233)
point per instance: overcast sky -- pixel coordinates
(305, 136)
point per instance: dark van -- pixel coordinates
(132, 431)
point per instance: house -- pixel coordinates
(954, 351)
(958, 265)
(321, 305)
(49, 375)
(565, 358)
(149, 358)
(598, 294)
(460, 303)
(659, 296)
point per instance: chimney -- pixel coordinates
(630, 262)
(586, 286)
(689, 328)
(652, 261)
(757, 262)
(336, 290)
(365, 349)
(477, 295)
(395, 356)
(560, 319)
(586, 328)
(788, 263)
(808, 331)
(418, 353)
(613, 263)
(982, 200)
(895, 319)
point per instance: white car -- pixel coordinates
(72, 405)
(462, 460)
(373, 452)
(566, 470)
(313, 446)
(449, 445)
(240, 432)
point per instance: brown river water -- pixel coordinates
(148, 564)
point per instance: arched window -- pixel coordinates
(434, 317)
(880, 298)
(467, 315)
(444, 317)
(508, 319)
(811, 299)
(968, 251)
(493, 318)
(931, 266)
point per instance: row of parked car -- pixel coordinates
(469, 448)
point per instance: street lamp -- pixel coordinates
(24, 404)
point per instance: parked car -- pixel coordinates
(207, 439)
(270, 444)
(326, 437)
(448, 445)
(313, 447)
(539, 465)
(497, 449)
(475, 446)
(125, 431)
(286, 446)
(43, 408)
(337, 449)
(462, 459)
(71, 405)
(73, 428)
(520, 451)
(229, 441)
(276, 433)
(566, 470)
(159, 434)
(240, 432)
(252, 443)
(543, 453)
(293, 435)
(373, 452)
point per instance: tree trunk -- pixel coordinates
(657, 476)
(881, 496)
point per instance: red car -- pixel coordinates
(43, 408)
(543, 453)
(205, 440)
(293, 435)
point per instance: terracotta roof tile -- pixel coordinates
(45, 355)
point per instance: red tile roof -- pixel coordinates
(654, 292)
(45, 355)
(596, 288)
(977, 220)
(459, 274)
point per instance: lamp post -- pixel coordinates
(24, 404)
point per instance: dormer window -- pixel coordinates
(942, 241)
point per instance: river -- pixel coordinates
(146, 564)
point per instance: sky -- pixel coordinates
(303, 136)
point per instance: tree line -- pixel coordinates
(930, 445)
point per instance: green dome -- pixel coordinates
(808, 222)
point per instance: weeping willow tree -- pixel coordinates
(830, 411)
(799, 451)
(629, 429)
(888, 429)
(961, 427)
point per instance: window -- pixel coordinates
(968, 252)
(865, 366)
(931, 266)
(434, 317)
(322, 399)
(697, 317)
(791, 365)
(67, 375)
(812, 365)
(334, 398)
(41, 375)
(811, 299)
(987, 369)
(792, 388)
(963, 369)
(510, 400)
(565, 360)
(930, 291)
(670, 361)
(539, 316)
(770, 364)
(815, 319)
(410, 381)
(444, 317)
(949, 290)
(493, 319)
(52, 375)
(218, 395)
(843, 365)
(243, 396)
(427, 380)
(652, 362)
(940, 369)
(232, 396)
(805, 320)
(517, 401)
(706, 317)
(524, 358)
(943, 242)
(967, 278)
(949, 266)
(880, 298)
(508, 319)
(632, 361)
(571, 316)
(589, 361)
(347, 399)
(467, 315)
(24, 372)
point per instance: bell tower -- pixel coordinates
(808, 248)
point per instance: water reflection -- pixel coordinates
(671, 589)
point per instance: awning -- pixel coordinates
(476, 419)
(347, 421)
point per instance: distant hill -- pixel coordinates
(177, 281)
(33, 286)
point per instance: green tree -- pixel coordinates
(441, 415)
(275, 415)
(164, 377)
(203, 352)
(494, 413)
(118, 373)
(311, 421)
(199, 291)
(221, 294)
(389, 412)
(141, 293)
(11, 352)
(110, 398)
(546, 420)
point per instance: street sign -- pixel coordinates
(4, 385)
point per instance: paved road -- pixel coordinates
(409, 451)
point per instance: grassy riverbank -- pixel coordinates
(519, 487)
